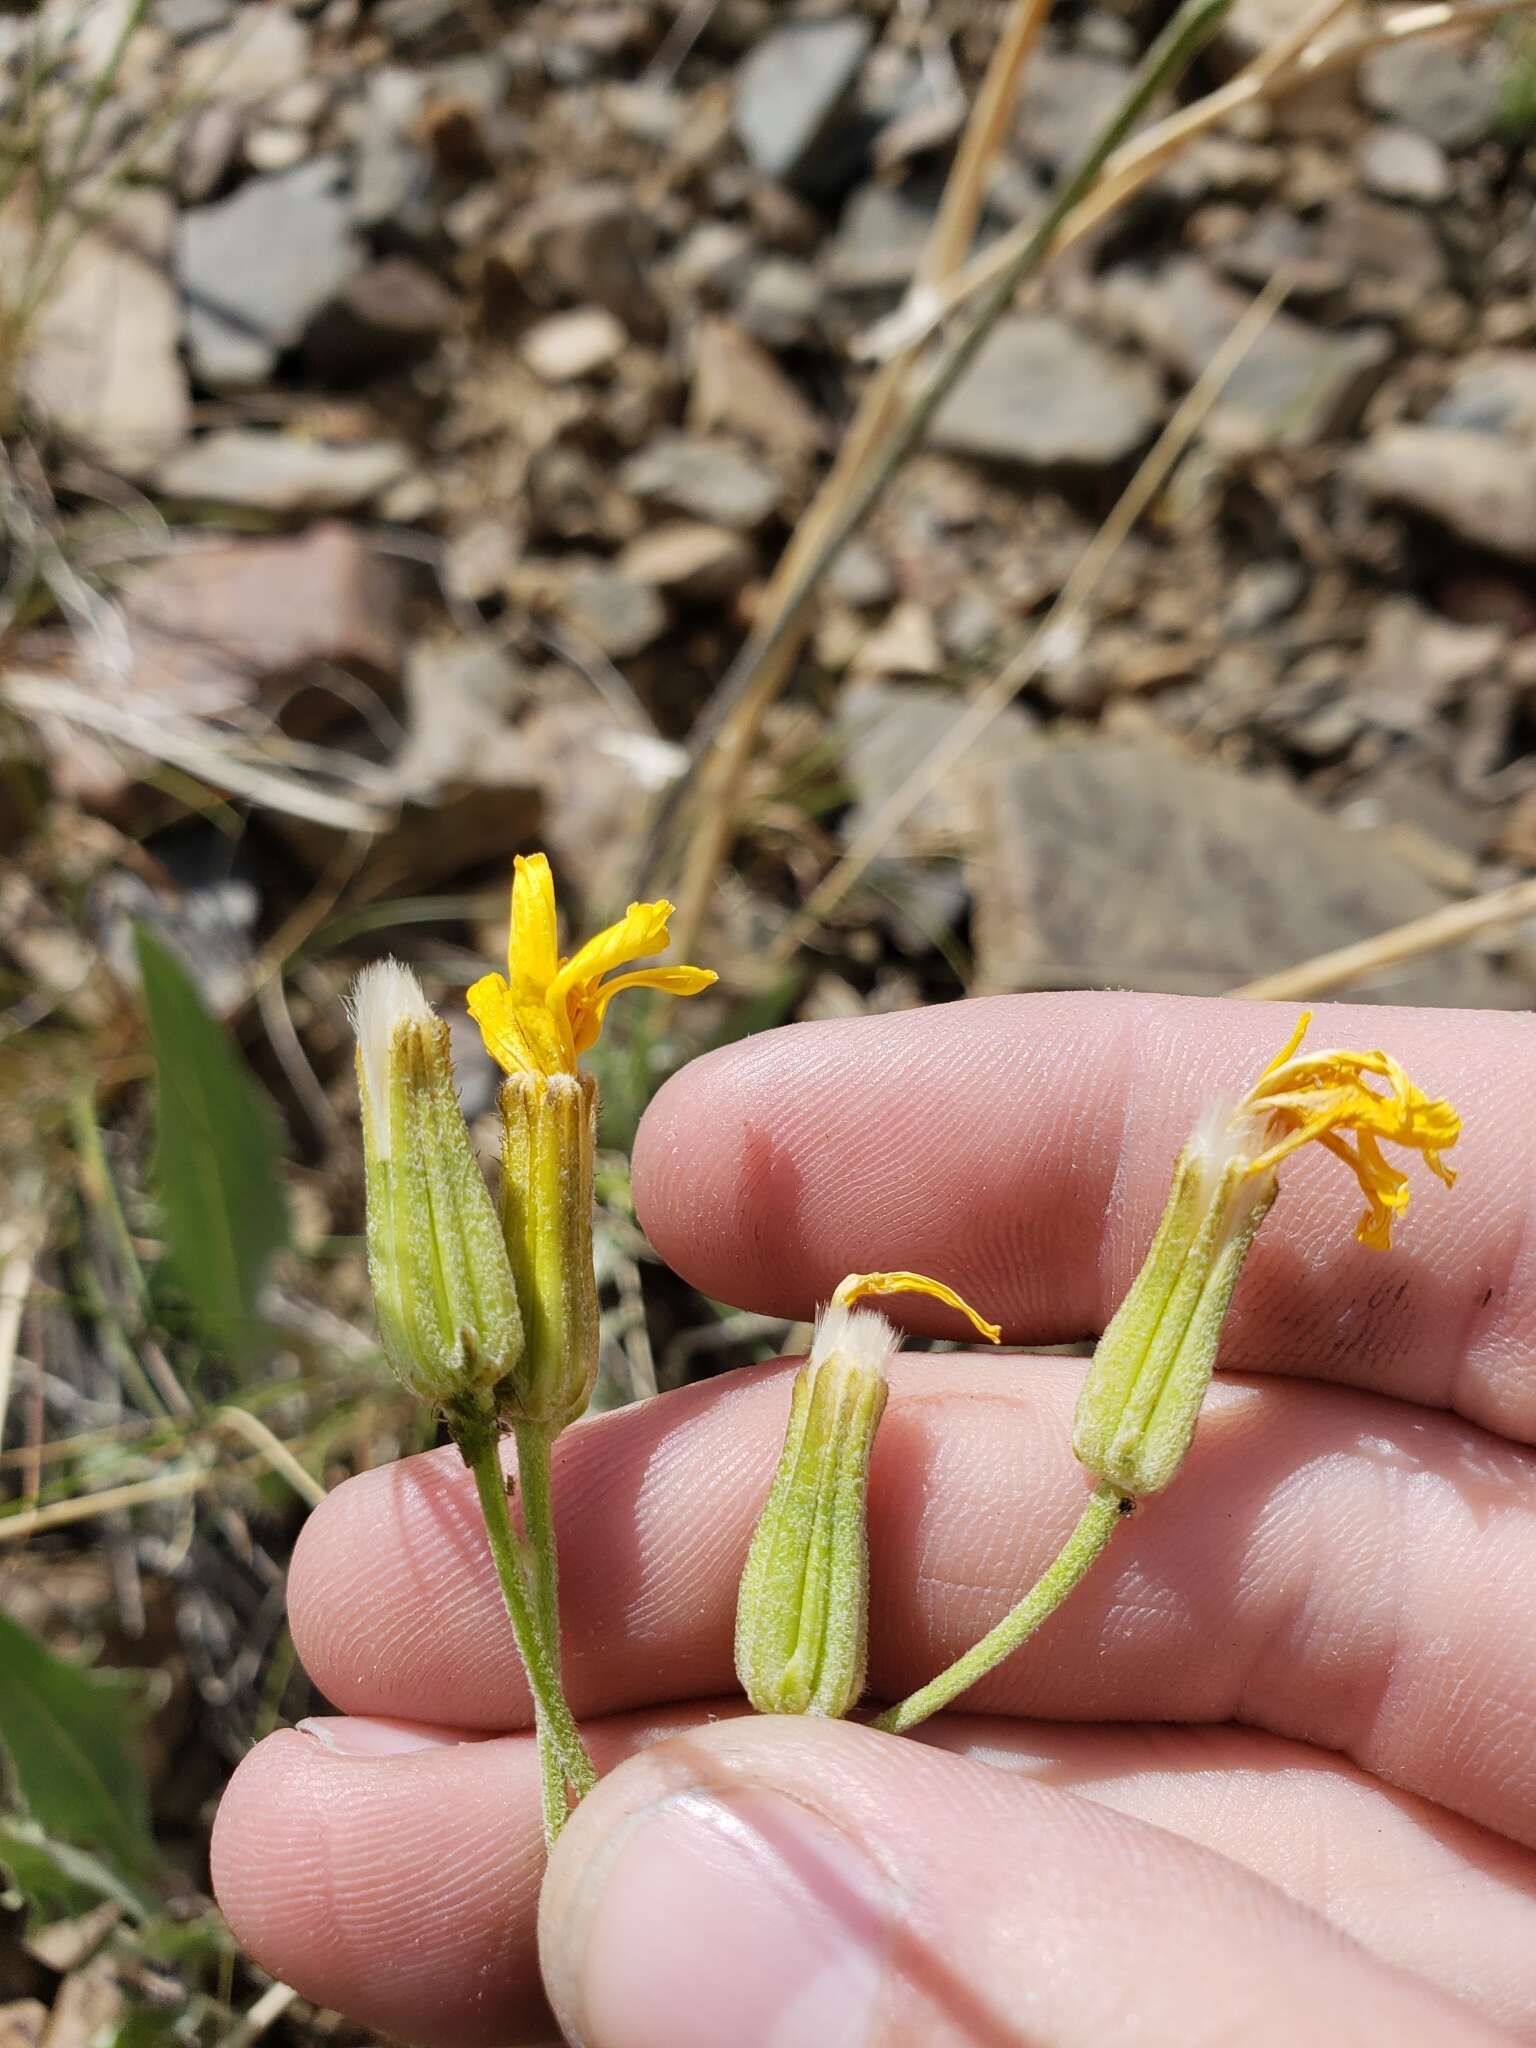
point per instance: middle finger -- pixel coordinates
(1331, 1566)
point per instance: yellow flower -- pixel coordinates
(1140, 1402)
(550, 1011)
(1323, 1096)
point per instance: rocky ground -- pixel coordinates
(405, 404)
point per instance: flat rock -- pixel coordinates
(737, 385)
(1043, 395)
(1400, 163)
(619, 615)
(1297, 383)
(1234, 877)
(255, 269)
(879, 239)
(572, 345)
(706, 564)
(592, 244)
(1493, 392)
(459, 698)
(282, 473)
(391, 173)
(184, 20)
(213, 626)
(1417, 663)
(704, 478)
(789, 92)
(861, 575)
(780, 302)
(101, 360)
(1451, 94)
(263, 49)
(386, 318)
(888, 731)
(1478, 485)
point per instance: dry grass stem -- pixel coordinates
(274, 1450)
(1298, 60)
(1063, 620)
(15, 1286)
(1452, 926)
(266, 2010)
(221, 760)
(730, 730)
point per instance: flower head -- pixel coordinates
(1140, 1402)
(802, 1615)
(546, 1011)
(443, 1285)
(1324, 1096)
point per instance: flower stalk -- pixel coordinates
(494, 1318)
(1145, 1385)
(536, 1021)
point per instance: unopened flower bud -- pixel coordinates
(442, 1284)
(802, 1619)
(548, 1148)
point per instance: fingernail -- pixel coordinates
(362, 1735)
(741, 1917)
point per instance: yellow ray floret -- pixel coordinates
(545, 1012)
(858, 1286)
(1325, 1096)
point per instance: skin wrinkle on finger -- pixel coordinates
(1107, 1929)
(1331, 1566)
(328, 1866)
(1020, 1146)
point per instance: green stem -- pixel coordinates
(1098, 1522)
(561, 1751)
(533, 1481)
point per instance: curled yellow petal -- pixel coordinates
(1326, 1096)
(859, 1286)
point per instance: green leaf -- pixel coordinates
(65, 1732)
(216, 1155)
(57, 1881)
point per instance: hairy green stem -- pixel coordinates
(533, 1481)
(1082, 1549)
(562, 1755)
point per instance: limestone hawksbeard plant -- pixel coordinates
(492, 1316)
(488, 1308)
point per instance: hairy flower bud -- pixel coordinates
(802, 1626)
(442, 1283)
(802, 1617)
(548, 1149)
(1141, 1399)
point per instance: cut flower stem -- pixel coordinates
(563, 1759)
(1107, 1507)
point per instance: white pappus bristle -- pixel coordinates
(383, 995)
(861, 1337)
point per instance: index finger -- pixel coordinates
(1019, 1148)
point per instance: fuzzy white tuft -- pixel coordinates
(383, 996)
(860, 1337)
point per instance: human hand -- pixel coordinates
(1295, 1703)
